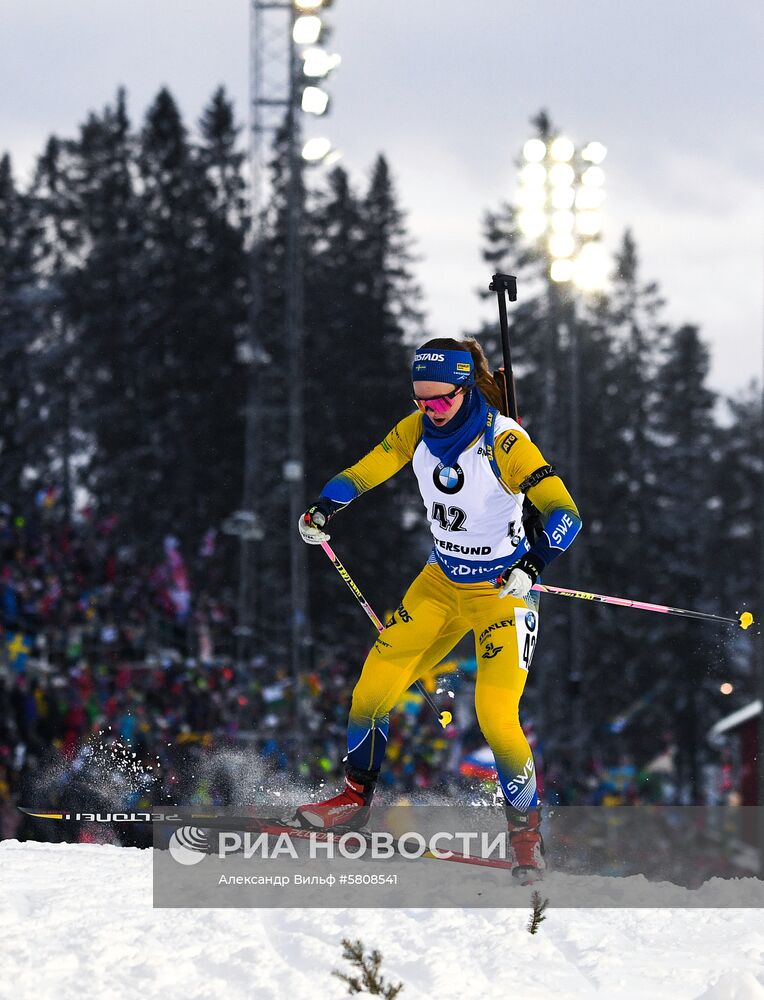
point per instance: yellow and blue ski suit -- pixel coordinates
(474, 508)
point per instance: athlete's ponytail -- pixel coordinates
(484, 380)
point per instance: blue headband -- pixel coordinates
(439, 365)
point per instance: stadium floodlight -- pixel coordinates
(314, 100)
(332, 157)
(533, 174)
(532, 223)
(308, 5)
(589, 223)
(319, 63)
(593, 177)
(561, 175)
(307, 29)
(534, 151)
(531, 197)
(563, 221)
(562, 149)
(562, 245)
(588, 198)
(563, 197)
(561, 270)
(594, 152)
(558, 204)
(591, 268)
(316, 149)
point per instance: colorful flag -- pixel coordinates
(18, 647)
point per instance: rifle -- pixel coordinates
(505, 286)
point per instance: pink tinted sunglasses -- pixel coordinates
(438, 404)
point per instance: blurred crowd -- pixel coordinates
(119, 688)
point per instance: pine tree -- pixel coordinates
(618, 479)
(686, 533)
(158, 301)
(58, 241)
(192, 268)
(173, 330)
(337, 288)
(225, 295)
(739, 490)
(20, 446)
(103, 310)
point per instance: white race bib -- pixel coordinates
(476, 524)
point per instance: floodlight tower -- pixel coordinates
(559, 205)
(287, 64)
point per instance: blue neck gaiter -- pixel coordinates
(448, 442)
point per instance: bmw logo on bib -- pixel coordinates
(530, 621)
(448, 478)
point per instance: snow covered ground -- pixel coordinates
(76, 920)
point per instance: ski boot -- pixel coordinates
(349, 809)
(527, 844)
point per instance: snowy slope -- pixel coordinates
(77, 920)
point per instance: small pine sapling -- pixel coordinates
(537, 916)
(370, 980)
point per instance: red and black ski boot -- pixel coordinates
(349, 809)
(527, 844)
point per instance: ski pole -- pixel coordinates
(444, 718)
(745, 619)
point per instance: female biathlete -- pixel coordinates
(474, 467)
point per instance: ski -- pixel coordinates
(269, 825)
(175, 818)
(276, 827)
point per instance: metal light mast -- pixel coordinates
(285, 61)
(269, 78)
